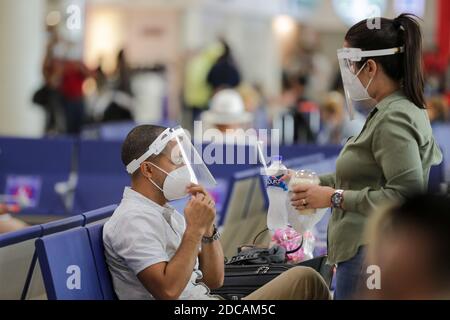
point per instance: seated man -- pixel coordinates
(153, 252)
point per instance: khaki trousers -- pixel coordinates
(298, 283)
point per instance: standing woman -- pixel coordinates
(391, 158)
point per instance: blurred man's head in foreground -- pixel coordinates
(410, 243)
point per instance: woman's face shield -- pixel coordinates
(349, 59)
(177, 147)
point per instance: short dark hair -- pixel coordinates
(138, 140)
(406, 67)
(431, 214)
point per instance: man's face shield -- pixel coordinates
(177, 147)
(349, 59)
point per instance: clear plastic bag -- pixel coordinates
(303, 220)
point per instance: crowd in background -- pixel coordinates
(318, 118)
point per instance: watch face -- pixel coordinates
(336, 198)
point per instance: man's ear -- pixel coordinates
(146, 169)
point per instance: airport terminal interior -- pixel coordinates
(224, 149)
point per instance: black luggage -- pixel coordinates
(241, 280)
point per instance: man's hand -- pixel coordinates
(211, 256)
(200, 213)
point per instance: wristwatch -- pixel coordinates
(215, 236)
(337, 198)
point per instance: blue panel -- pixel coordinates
(63, 224)
(441, 133)
(225, 160)
(24, 156)
(95, 191)
(294, 151)
(101, 175)
(115, 131)
(99, 214)
(68, 266)
(437, 176)
(49, 160)
(96, 239)
(28, 233)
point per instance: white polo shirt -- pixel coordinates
(141, 233)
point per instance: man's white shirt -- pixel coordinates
(139, 234)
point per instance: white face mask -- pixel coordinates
(356, 90)
(175, 184)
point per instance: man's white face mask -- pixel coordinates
(175, 183)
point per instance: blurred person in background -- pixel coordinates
(254, 103)
(224, 73)
(299, 106)
(197, 91)
(410, 244)
(121, 96)
(48, 96)
(227, 120)
(337, 127)
(391, 158)
(437, 109)
(7, 222)
(71, 88)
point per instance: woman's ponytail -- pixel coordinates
(413, 78)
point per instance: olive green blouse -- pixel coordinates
(389, 160)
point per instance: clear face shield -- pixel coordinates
(190, 168)
(348, 64)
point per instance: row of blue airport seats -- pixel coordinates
(19, 258)
(101, 177)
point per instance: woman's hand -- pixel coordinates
(311, 196)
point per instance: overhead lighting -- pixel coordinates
(284, 25)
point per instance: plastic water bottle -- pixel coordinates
(277, 216)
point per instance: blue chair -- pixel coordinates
(101, 175)
(45, 161)
(95, 233)
(68, 266)
(62, 225)
(22, 235)
(99, 214)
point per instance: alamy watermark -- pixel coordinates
(248, 145)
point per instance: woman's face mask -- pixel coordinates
(354, 86)
(175, 183)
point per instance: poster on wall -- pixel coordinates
(23, 190)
